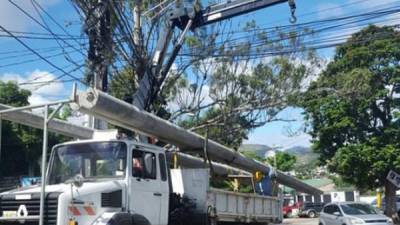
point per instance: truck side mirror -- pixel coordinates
(149, 165)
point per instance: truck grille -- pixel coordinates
(9, 203)
(112, 199)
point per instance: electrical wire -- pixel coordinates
(43, 58)
(66, 54)
(34, 59)
(53, 20)
(43, 26)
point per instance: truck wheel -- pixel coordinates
(212, 221)
(128, 219)
(121, 219)
(312, 214)
(140, 220)
(289, 215)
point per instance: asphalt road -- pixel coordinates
(300, 221)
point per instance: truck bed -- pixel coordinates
(221, 205)
(246, 208)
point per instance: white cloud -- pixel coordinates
(12, 18)
(36, 83)
(36, 99)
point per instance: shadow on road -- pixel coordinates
(300, 221)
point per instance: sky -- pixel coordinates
(24, 67)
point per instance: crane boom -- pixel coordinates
(224, 11)
(189, 18)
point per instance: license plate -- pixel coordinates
(9, 214)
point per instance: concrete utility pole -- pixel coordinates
(130, 117)
(75, 131)
(55, 125)
(80, 132)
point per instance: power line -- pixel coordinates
(25, 51)
(55, 80)
(323, 44)
(43, 26)
(66, 54)
(52, 19)
(33, 60)
(40, 37)
(311, 26)
(44, 34)
(348, 20)
(40, 56)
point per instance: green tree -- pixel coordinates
(240, 101)
(21, 145)
(352, 109)
(284, 161)
(12, 147)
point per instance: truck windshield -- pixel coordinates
(91, 160)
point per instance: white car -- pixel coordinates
(349, 213)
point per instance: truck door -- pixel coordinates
(164, 185)
(145, 195)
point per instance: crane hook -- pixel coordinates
(292, 6)
(293, 19)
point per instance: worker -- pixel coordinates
(137, 167)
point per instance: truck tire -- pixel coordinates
(312, 214)
(128, 219)
(121, 219)
(140, 220)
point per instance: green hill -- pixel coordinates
(260, 150)
(304, 154)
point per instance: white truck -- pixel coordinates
(123, 182)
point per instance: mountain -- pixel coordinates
(299, 150)
(260, 150)
(304, 154)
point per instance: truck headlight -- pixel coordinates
(390, 221)
(354, 221)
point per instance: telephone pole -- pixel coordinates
(98, 29)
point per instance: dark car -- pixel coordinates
(310, 209)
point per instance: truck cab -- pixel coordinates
(96, 182)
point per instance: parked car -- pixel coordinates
(351, 213)
(290, 210)
(373, 203)
(310, 209)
